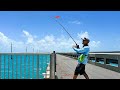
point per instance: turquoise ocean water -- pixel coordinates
(23, 66)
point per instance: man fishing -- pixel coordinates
(82, 58)
(83, 54)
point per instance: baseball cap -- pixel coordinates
(85, 39)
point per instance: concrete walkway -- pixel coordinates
(65, 69)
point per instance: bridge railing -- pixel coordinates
(22, 65)
(108, 61)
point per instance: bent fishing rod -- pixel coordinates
(67, 32)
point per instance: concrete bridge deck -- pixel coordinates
(65, 69)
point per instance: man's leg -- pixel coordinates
(85, 75)
(76, 72)
(75, 76)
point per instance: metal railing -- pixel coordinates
(23, 65)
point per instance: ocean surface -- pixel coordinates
(23, 66)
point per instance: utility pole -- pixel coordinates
(11, 47)
(26, 49)
(33, 50)
(11, 50)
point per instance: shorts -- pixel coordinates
(80, 69)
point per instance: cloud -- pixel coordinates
(75, 22)
(48, 43)
(82, 35)
(5, 43)
(29, 36)
(4, 40)
(95, 44)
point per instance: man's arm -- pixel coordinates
(80, 50)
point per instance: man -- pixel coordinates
(82, 59)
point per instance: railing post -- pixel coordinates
(4, 66)
(21, 67)
(95, 59)
(52, 65)
(25, 66)
(8, 66)
(28, 66)
(55, 61)
(38, 66)
(16, 67)
(12, 67)
(33, 66)
(105, 60)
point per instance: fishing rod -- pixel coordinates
(67, 32)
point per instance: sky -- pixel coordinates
(38, 30)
